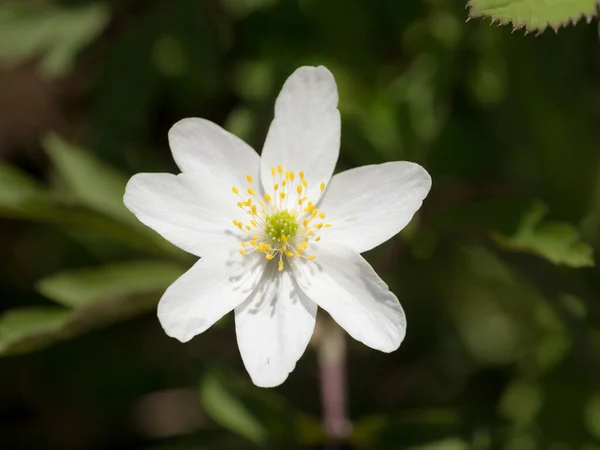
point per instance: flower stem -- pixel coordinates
(332, 367)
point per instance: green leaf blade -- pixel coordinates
(534, 15)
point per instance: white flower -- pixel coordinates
(277, 234)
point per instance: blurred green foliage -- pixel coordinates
(496, 273)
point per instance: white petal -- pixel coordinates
(305, 133)
(341, 282)
(200, 146)
(210, 289)
(194, 213)
(274, 327)
(368, 205)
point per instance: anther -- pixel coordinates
(322, 186)
(249, 178)
(235, 190)
(250, 191)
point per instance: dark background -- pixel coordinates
(495, 272)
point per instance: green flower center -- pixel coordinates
(281, 226)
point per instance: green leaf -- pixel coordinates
(29, 30)
(93, 298)
(259, 415)
(83, 287)
(89, 181)
(534, 15)
(558, 242)
(94, 185)
(22, 329)
(22, 197)
(17, 188)
(228, 411)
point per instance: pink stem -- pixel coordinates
(332, 365)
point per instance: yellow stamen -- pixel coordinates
(277, 220)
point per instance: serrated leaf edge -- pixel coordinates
(518, 26)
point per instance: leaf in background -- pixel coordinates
(228, 411)
(558, 242)
(25, 328)
(259, 415)
(534, 15)
(17, 188)
(85, 286)
(416, 427)
(89, 181)
(94, 297)
(94, 185)
(53, 32)
(22, 197)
